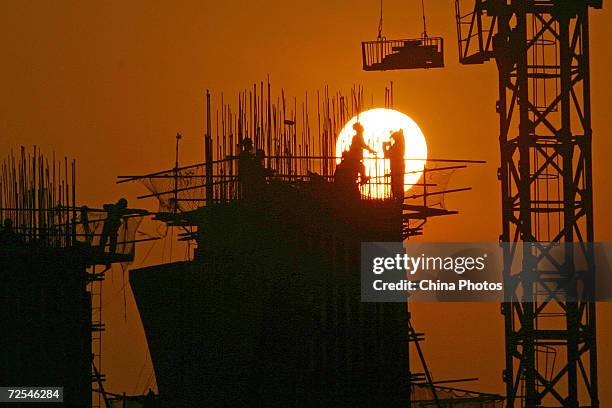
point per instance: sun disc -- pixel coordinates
(378, 125)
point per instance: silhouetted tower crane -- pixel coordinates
(541, 48)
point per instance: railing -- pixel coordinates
(186, 189)
(474, 34)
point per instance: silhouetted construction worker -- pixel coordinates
(394, 151)
(246, 147)
(8, 236)
(355, 152)
(261, 164)
(249, 171)
(114, 217)
(346, 175)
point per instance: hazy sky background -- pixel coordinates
(111, 82)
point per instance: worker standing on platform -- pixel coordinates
(114, 219)
(346, 175)
(394, 151)
(355, 154)
(247, 168)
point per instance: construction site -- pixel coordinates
(264, 213)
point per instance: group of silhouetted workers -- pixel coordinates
(349, 175)
(351, 172)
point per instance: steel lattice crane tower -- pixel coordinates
(541, 48)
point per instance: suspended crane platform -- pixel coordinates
(414, 53)
(387, 55)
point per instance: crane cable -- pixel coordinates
(424, 34)
(380, 21)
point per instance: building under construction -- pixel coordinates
(268, 311)
(267, 308)
(51, 268)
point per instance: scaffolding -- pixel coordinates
(293, 150)
(297, 161)
(38, 197)
(41, 219)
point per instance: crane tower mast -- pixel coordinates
(541, 48)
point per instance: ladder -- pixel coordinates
(95, 281)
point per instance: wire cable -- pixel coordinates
(380, 22)
(424, 22)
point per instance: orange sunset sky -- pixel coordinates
(109, 83)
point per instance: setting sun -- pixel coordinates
(378, 125)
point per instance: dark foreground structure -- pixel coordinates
(45, 326)
(269, 312)
(46, 321)
(50, 310)
(542, 53)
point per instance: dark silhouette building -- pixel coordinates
(269, 312)
(48, 255)
(45, 320)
